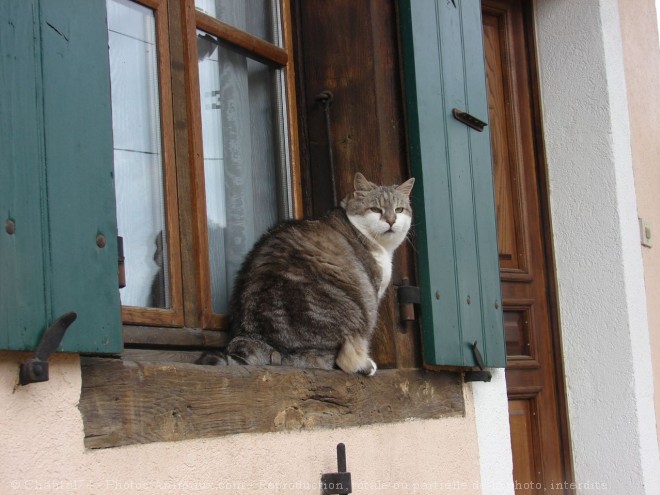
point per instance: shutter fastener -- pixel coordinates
(469, 120)
(36, 369)
(337, 483)
(478, 376)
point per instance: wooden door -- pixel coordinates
(533, 375)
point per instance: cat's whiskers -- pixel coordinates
(411, 244)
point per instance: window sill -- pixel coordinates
(127, 402)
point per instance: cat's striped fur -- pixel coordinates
(309, 290)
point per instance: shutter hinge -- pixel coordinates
(407, 296)
(478, 376)
(121, 268)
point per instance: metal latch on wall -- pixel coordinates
(338, 483)
(36, 369)
(478, 376)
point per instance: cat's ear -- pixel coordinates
(360, 183)
(406, 187)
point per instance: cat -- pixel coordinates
(307, 294)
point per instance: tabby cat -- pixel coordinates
(307, 294)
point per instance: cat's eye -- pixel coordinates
(376, 210)
(399, 210)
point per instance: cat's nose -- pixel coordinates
(389, 219)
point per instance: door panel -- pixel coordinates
(524, 439)
(536, 402)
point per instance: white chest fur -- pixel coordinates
(384, 260)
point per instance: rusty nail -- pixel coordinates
(100, 241)
(469, 300)
(10, 227)
(437, 295)
(497, 305)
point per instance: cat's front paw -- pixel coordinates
(369, 369)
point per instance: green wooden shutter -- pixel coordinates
(454, 201)
(56, 176)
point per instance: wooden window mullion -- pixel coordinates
(246, 43)
(172, 316)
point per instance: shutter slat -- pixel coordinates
(22, 182)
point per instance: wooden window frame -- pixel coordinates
(262, 51)
(172, 316)
(191, 311)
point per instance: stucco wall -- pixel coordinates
(641, 53)
(41, 435)
(491, 408)
(602, 299)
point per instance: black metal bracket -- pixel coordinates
(477, 376)
(469, 120)
(121, 262)
(36, 369)
(325, 98)
(337, 483)
(407, 296)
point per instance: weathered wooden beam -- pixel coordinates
(160, 355)
(126, 402)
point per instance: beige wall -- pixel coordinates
(642, 62)
(41, 434)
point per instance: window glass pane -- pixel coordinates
(244, 163)
(258, 17)
(137, 153)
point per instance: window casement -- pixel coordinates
(144, 162)
(205, 146)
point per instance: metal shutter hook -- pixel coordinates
(36, 369)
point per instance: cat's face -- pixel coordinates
(382, 213)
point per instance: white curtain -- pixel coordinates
(241, 145)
